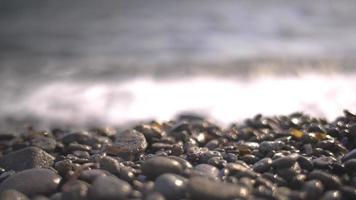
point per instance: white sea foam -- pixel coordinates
(225, 100)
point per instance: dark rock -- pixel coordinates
(330, 181)
(12, 195)
(32, 182)
(77, 137)
(155, 196)
(76, 190)
(27, 158)
(90, 175)
(284, 162)
(205, 170)
(109, 188)
(110, 164)
(172, 186)
(262, 165)
(128, 144)
(349, 155)
(202, 188)
(313, 189)
(158, 165)
(40, 197)
(332, 195)
(45, 143)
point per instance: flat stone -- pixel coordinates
(32, 182)
(202, 188)
(109, 188)
(46, 143)
(27, 158)
(172, 186)
(158, 165)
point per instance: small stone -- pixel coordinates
(348, 192)
(172, 186)
(27, 158)
(305, 163)
(262, 165)
(109, 188)
(90, 175)
(128, 144)
(63, 166)
(155, 196)
(110, 164)
(77, 137)
(332, 195)
(12, 195)
(313, 189)
(40, 197)
(76, 190)
(202, 188)
(329, 181)
(45, 143)
(185, 164)
(284, 162)
(350, 155)
(205, 170)
(158, 165)
(78, 147)
(32, 182)
(350, 166)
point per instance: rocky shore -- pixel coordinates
(280, 157)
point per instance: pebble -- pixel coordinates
(154, 196)
(262, 165)
(128, 144)
(46, 143)
(332, 195)
(90, 175)
(284, 162)
(314, 189)
(32, 182)
(202, 188)
(329, 181)
(76, 190)
(349, 155)
(110, 164)
(158, 165)
(172, 186)
(109, 188)
(205, 170)
(27, 158)
(12, 195)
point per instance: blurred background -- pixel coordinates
(113, 62)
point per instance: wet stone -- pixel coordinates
(313, 189)
(205, 170)
(262, 165)
(349, 155)
(172, 186)
(284, 162)
(77, 137)
(158, 165)
(90, 175)
(154, 196)
(330, 181)
(203, 188)
(110, 164)
(128, 144)
(27, 158)
(76, 190)
(32, 182)
(332, 195)
(45, 143)
(109, 188)
(12, 195)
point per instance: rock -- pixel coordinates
(332, 195)
(155, 196)
(32, 182)
(77, 137)
(12, 195)
(109, 188)
(89, 176)
(202, 188)
(349, 155)
(110, 164)
(172, 186)
(46, 143)
(205, 170)
(313, 189)
(27, 158)
(41, 197)
(284, 162)
(329, 181)
(128, 144)
(158, 165)
(262, 165)
(76, 190)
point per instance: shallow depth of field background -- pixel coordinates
(114, 62)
